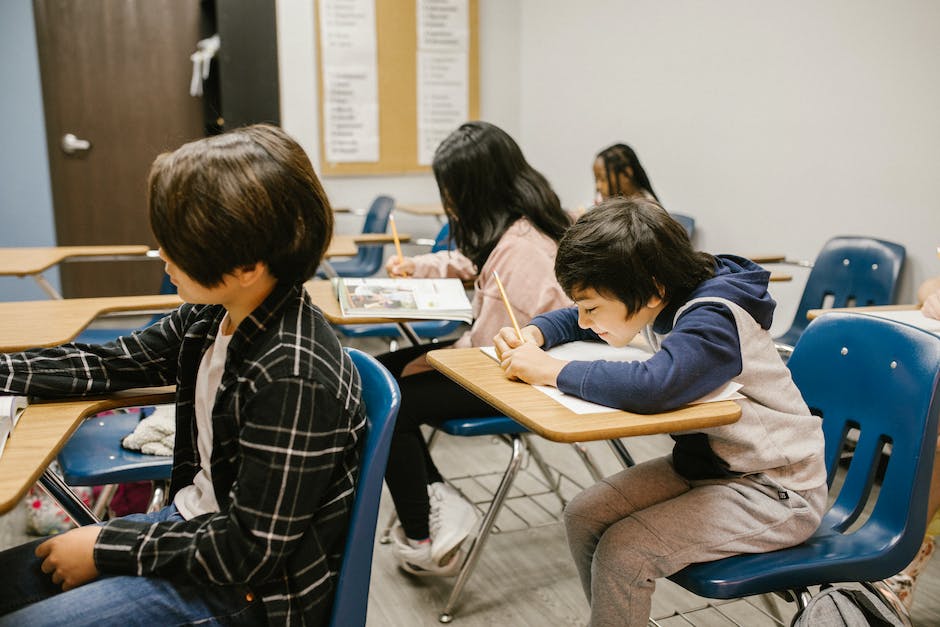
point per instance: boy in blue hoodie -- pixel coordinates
(753, 486)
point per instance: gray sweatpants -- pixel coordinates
(648, 522)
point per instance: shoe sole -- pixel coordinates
(452, 565)
(465, 533)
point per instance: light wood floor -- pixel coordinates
(525, 576)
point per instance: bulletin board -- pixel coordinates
(396, 49)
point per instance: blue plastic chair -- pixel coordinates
(382, 398)
(368, 261)
(849, 271)
(93, 456)
(878, 378)
(430, 329)
(687, 222)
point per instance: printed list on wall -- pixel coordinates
(443, 45)
(350, 81)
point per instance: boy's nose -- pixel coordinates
(584, 320)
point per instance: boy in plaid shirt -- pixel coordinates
(269, 414)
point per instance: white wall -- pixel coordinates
(776, 125)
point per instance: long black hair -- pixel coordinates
(486, 184)
(621, 159)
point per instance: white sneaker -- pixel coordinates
(417, 560)
(451, 521)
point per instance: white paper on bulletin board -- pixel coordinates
(350, 81)
(443, 72)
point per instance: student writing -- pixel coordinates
(505, 218)
(752, 486)
(269, 414)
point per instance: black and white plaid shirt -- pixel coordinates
(287, 425)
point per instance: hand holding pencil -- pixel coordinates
(398, 266)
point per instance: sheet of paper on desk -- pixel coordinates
(912, 317)
(591, 351)
(10, 409)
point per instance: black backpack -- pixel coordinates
(846, 607)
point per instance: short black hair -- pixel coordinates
(631, 250)
(486, 184)
(621, 159)
(229, 201)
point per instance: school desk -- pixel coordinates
(483, 377)
(815, 313)
(32, 262)
(343, 245)
(31, 324)
(422, 209)
(322, 294)
(42, 431)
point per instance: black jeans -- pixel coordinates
(428, 398)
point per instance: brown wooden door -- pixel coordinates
(115, 73)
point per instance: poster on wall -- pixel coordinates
(350, 81)
(443, 85)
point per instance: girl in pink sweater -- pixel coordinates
(504, 218)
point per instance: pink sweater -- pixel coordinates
(524, 258)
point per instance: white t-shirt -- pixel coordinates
(199, 498)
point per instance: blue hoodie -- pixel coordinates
(701, 350)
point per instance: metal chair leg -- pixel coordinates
(476, 547)
(884, 592)
(104, 500)
(157, 497)
(554, 483)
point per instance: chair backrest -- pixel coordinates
(851, 271)
(370, 256)
(687, 222)
(875, 380)
(382, 398)
(443, 240)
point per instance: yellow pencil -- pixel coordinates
(401, 258)
(512, 316)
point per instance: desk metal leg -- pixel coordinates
(409, 333)
(64, 496)
(622, 453)
(47, 287)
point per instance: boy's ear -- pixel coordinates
(658, 299)
(249, 275)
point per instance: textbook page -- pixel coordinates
(408, 299)
(594, 351)
(11, 407)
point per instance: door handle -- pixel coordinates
(72, 144)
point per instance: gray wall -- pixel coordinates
(26, 217)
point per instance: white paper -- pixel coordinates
(594, 351)
(11, 407)
(443, 72)
(350, 81)
(912, 317)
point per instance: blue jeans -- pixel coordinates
(28, 597)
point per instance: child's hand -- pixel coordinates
(70, 557)
(531, 364)
(507, 339)
(931, 307)
(403, 268)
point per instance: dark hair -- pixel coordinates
(229, 201)
(486, 185)
(629, 249)
(620, 159)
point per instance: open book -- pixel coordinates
(10, 409)
(414, 299)
(594, 351)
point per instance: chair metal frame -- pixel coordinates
(880, 380)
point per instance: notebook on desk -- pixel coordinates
(594, 351)
(11, 407)
(408, 299)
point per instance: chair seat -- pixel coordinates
(826, 557)
(493, 425)
(428, 329)
(94, 455)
